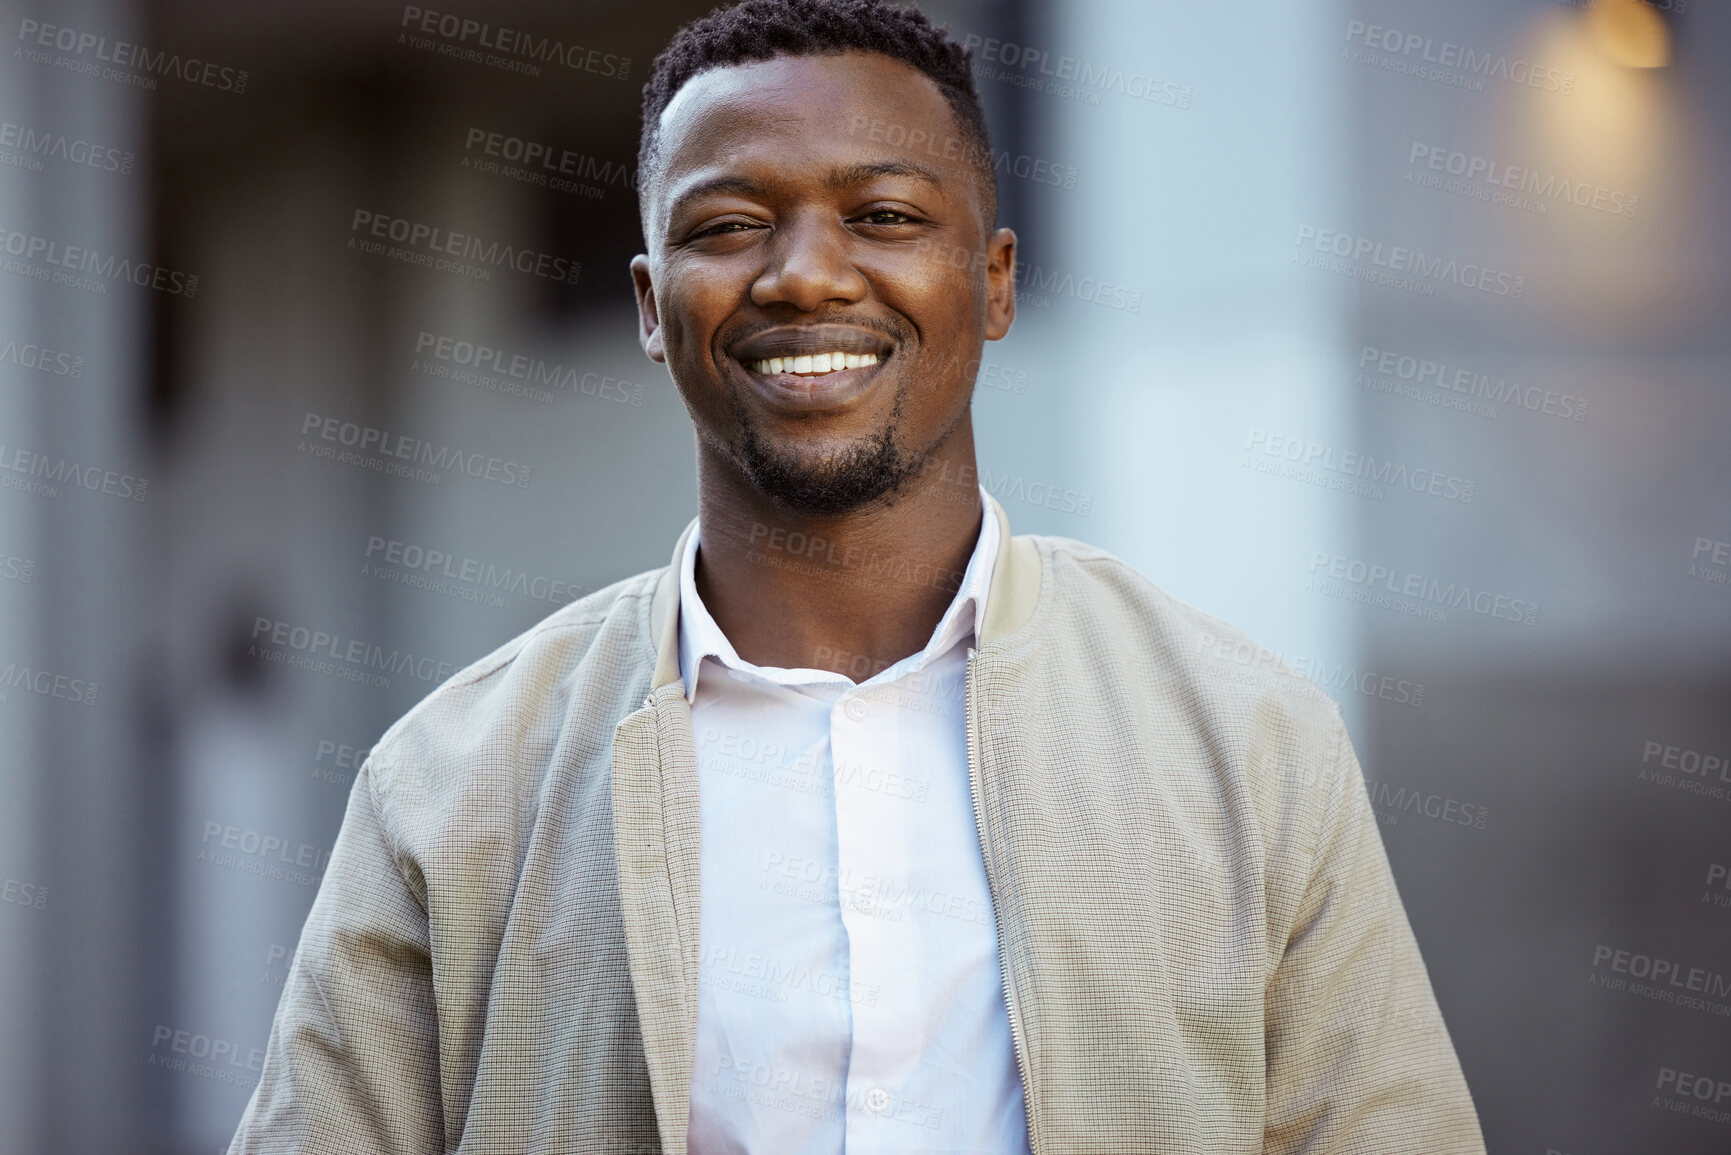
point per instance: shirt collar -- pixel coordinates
(700, 637)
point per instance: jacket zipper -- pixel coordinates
(1017, 1040)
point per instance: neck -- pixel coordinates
(852, 593)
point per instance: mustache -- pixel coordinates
(849, 334)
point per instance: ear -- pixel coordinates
(1000, 283)
(648, 315)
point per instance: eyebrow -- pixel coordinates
(862, 173)
(841, 178)
(744, 186)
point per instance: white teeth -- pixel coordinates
(815, 363)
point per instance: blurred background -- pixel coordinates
(1393, 333)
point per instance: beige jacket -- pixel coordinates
(1202, 945)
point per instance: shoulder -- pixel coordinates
(1239, 748)
(496, 723)
(1100, 613)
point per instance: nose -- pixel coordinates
(808, 266)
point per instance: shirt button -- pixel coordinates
(877, 1098)
(855, 709)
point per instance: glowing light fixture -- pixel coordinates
(1630, 33)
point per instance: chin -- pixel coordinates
(831, 485)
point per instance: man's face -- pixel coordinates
(784, 226)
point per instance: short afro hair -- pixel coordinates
(756, 30)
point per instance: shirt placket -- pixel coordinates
(768, 1065)
(873, 851)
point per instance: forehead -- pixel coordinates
(810, 112)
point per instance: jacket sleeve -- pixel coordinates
(1358, 1057)
(352, 1062)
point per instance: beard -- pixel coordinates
(837, 483)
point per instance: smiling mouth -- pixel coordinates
(812, 364)
(807, 351)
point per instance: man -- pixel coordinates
(864, 825)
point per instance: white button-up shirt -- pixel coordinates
(849, 998)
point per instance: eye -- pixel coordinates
(888, 217)
(722, 228)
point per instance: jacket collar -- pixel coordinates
(1009, 603)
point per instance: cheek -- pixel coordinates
(949, 311)
(952, 328)
(941, 272)
(683, 327)
(943, 298)
(694, 302)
